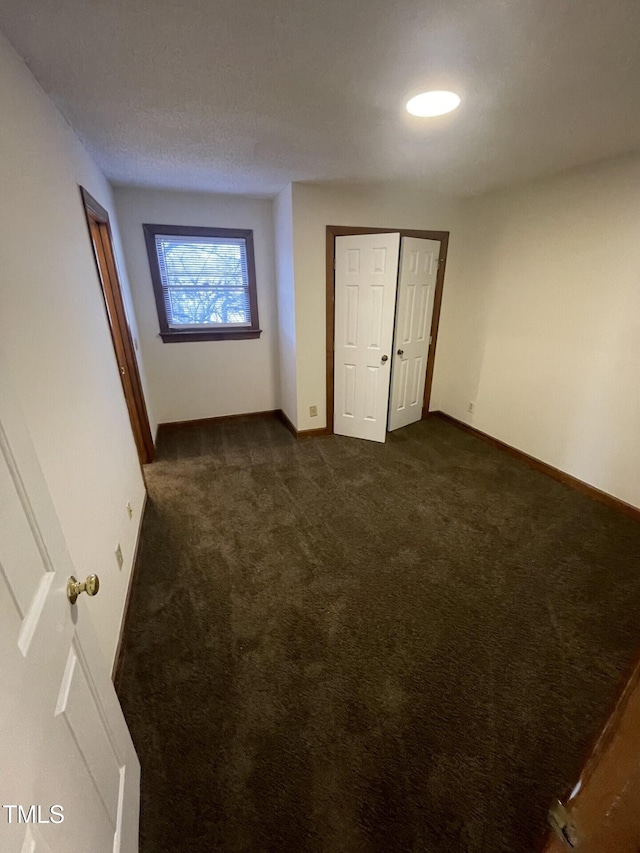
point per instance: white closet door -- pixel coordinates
(416, 290)
(365, 295)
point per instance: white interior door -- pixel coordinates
(416, 290)
(64, 742)
(365, 295)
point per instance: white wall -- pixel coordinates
(463, 317)
(541, 323)
(55, 337)
(285, 282)
(315, 207)
(202, 379)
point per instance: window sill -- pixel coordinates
(176, 337)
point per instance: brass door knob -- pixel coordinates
(74, 587)
(385, 358)
(400, 352)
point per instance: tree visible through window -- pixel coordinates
(204, 282)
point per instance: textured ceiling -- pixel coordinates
(245, 96)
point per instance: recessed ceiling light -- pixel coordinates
(432, 103)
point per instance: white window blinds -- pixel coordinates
(205, 282)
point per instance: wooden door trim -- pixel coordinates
(334, 231)
(121, 337)
(597, 753)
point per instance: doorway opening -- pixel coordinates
(413, 237)
(101, 240)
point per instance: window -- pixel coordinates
(204, 281)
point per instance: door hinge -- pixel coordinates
(564, 826)
(334, 263)
(430, 339)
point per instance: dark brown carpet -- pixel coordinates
(342, 646)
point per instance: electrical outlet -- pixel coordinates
(471, 406)
(313, 411)
(129, 510)
(119, 556)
